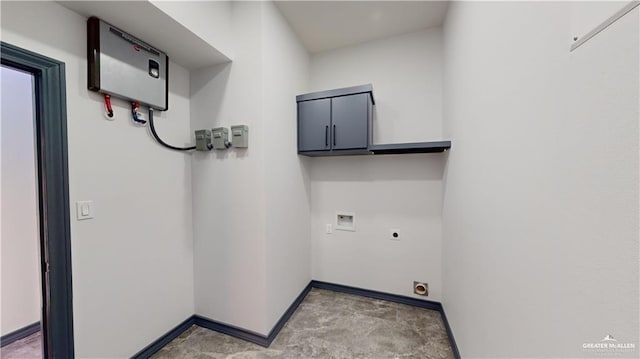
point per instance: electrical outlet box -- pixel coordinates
(221, 138)
(240, 136)
(204, 140)
(121, 65)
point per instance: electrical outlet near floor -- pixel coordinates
(394, 234)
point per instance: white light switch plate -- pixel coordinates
(84, 210)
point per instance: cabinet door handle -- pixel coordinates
(326, 136)
(334, 135)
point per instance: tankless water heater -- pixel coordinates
(124, 66)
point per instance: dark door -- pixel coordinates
(55, 244)
(349, 116)
(314, 125)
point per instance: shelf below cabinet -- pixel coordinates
(413, 147)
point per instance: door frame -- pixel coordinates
(53, 190)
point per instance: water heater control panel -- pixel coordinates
(124, 66)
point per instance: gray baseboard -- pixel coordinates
(427, 304)
(250, 336)
(244, 334)
(159, 343)
(19, 334)
(266, 340)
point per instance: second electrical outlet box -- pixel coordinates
(123, 66)
(240, 136)
(220, 138)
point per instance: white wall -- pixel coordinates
(133, 264)
(1, 301)
(229, 206)
(406, 73)
(541, 191)
(285, 69)
(385, 192)
(20, 237)
(228, 186)
(251, 211)
(210, 20)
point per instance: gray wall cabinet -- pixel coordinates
(340, 122)
(335, 122)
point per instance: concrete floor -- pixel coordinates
(330, 325)
(26, 348)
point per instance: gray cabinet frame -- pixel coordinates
(335, 122)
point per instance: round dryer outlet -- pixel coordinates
(420, 288)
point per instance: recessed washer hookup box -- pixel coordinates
(124, 66)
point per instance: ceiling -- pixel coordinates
(326, 25)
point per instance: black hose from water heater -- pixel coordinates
(160, 141)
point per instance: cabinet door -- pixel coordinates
(350, 129)
(314, 125)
